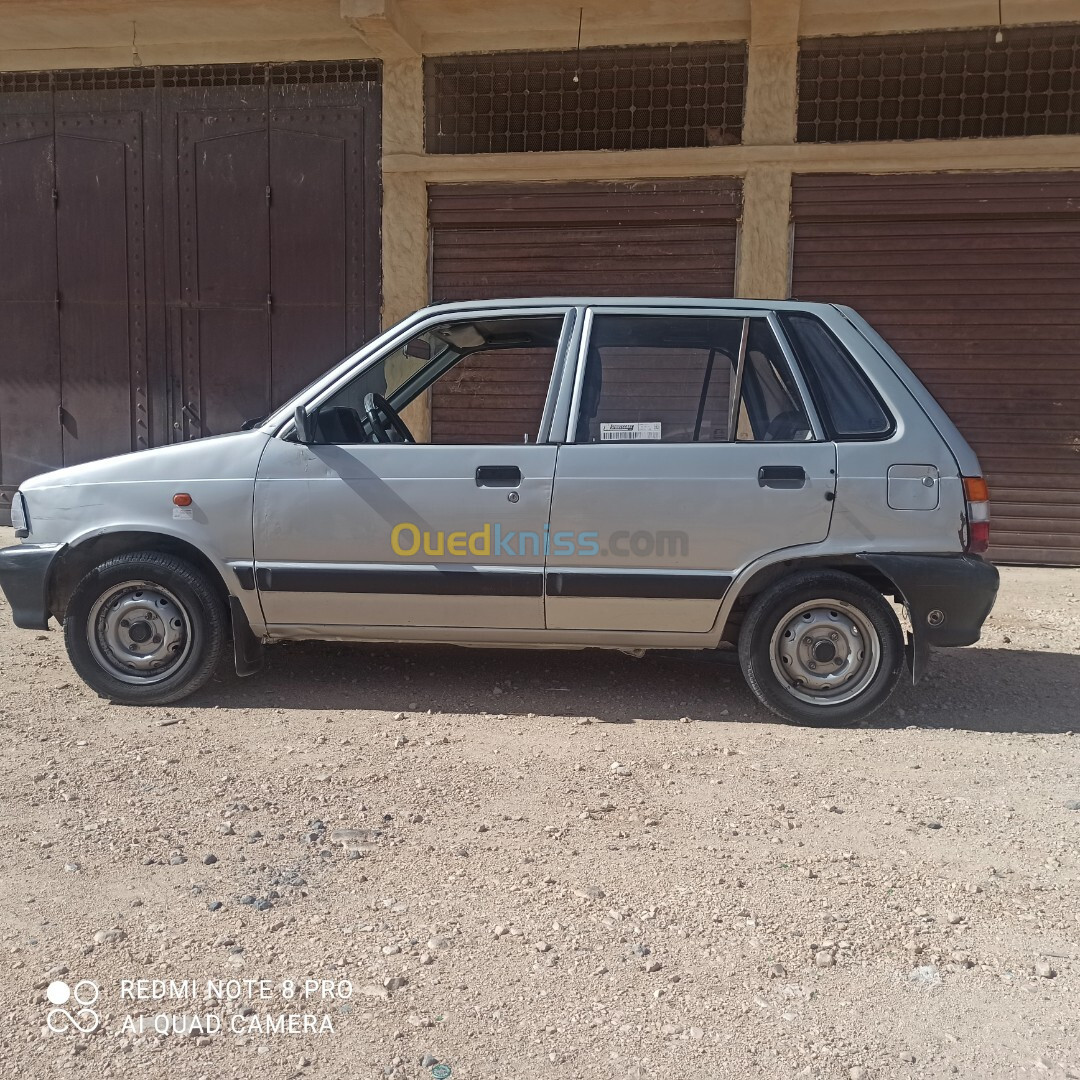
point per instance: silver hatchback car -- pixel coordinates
(612, 473)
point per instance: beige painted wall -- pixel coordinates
(98, 33)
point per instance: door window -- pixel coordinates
(658, 378)
(495, 372)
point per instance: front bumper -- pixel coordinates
(24, 578)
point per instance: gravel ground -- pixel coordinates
(533, 864)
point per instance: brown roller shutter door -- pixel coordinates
(640, 238)
(975, 281)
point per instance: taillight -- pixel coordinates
(977, 496)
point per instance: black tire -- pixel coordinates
(177, 600)
(785, 625)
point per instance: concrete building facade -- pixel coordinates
(920, 161)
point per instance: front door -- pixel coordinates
(691, 455)
(358, 530)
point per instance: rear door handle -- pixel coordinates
(781, 476)
(503, 476)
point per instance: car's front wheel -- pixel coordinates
(145, 628)
(822, 648)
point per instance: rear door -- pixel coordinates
(690, 454)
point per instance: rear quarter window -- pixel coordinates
(847, 402)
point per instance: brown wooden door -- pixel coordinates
(30, 439)
(273, 196)
(183, 249)
(103, 248)
(216, 197)
(324, 230)
(73, 364)
(640, 238)
(975, 281)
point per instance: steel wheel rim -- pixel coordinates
(825, 652)
(139, 632)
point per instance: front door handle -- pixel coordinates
(781, 476)
(502, 476)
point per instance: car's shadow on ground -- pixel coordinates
(1006, 690)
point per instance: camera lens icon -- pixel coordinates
(71, 1009)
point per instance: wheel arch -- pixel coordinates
(78, 559)
(762, 578)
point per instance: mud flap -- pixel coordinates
(918, 656)
(247, 648)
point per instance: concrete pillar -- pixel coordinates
(405, 284)
(772, 73)
(763, 272)
(771, 105)
(388, 32)
(771, 94)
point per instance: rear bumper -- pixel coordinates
(948, 596)
(24, 578)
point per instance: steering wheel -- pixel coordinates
(384, 421)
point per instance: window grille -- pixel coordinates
(198, 75)
(592, 99)
(957, 84)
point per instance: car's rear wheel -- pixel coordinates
(145, 628)
(822, 648)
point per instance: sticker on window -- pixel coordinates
(638, 431)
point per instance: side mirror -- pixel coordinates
(305, 425)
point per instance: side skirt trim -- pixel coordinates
(496, 582)
(661, 586)
(464, 582)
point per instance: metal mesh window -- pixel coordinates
(104, 79)
(299, 73)
(77, 79)
(143, 78)
(308, 73)
(214, 75)
(592, 99)
(952, 85)
(25, 82)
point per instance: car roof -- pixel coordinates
(689, 302)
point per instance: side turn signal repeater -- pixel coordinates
(181, 499)
(977, 496)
